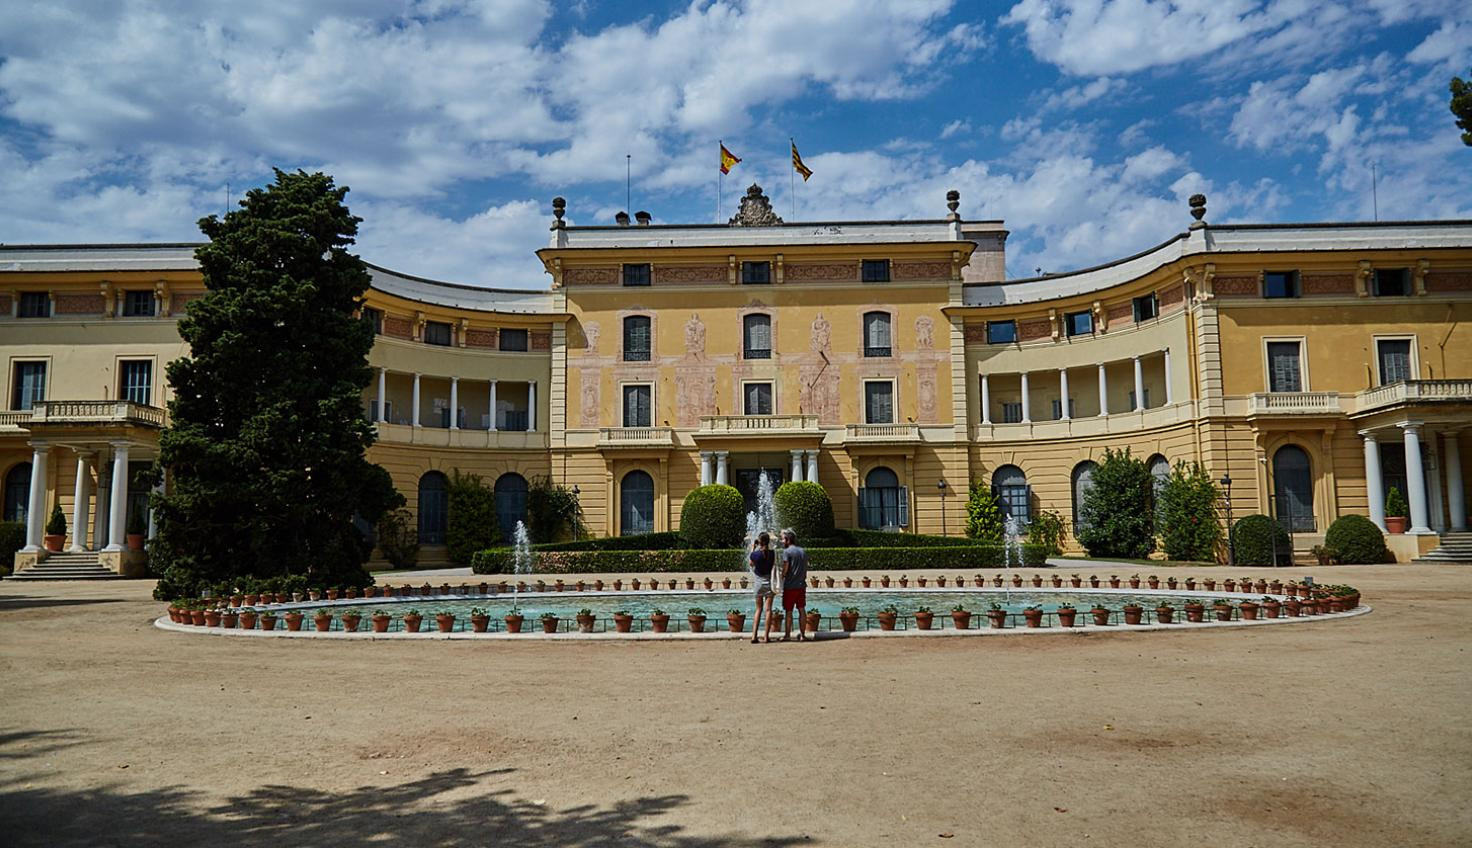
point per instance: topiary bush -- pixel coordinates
(713, 516)
(1118, 518)
(1395, 504)
(984, 513)
(1355, 540)
(472, 517)
(12, 539)
(56, 524)
(1254, 539)
(805, 508)
(1046, 531)
(1186, 509)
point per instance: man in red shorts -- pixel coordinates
(794, 584)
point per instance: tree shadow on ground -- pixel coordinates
(40, 743)
(442, 809)
(18, 602)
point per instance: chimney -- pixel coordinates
(622, 218)
(642, 217)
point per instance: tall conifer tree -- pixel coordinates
(265, 447)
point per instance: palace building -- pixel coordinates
(1314, 366)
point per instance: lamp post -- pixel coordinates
(940, 486)
(1226, 483)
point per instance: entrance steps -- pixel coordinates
(1455, 548)
(67, 565)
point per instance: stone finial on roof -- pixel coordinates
(755, 211)
(622, 219)
(953, 202)
(1198, 210)
(559, 208)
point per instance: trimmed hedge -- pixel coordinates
(881, 539)
(1355, 540)
(498, 560)
(805, 508)
(838, 538)
(1252, 542)
(713, 516)
(637, 542)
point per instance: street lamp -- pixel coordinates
(1226, 482)
(940, 486)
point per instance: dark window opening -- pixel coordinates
(1001, 332)
(1079, 323)
(758, 398)
(638, 402)
(29, 386)
(437, 333)
(1146, 307)
(756, 272)
(636, 338)
(1280, 284)
(138, 304)
(637, 274)
(876, 270)
(34, 305)
(513, 340)
(1392, 282)
(877, 337)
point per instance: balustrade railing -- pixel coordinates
(1295, 403)
(96, 411)
(757, 423)
(1406, 391)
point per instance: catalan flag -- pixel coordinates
(728, 159)
(797, 164)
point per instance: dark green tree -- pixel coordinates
(553, 512)
(265, 447)
(984, 518)
(1118, 515)
(1461, 106)
(1186, 507)
(472, 518)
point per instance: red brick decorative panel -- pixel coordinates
(78, 304)
(1037, 329)
(1448, 281)
(975, 333)
(540, 340)
(1327, 284)
(590, 277)
(399, 328)
(1121, 311)
(1172, 297)
(920, 270)
(1235, 286)
(481, 338)
(689, 274)
(797, 272)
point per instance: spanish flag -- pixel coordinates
(728, 160)
(797, 164)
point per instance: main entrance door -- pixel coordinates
(747, 480)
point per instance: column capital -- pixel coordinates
(1368, 435)
(1411, 426)
(121, 444)
(1135, 358)
(40, 446)
(723, 454)
(797, 452)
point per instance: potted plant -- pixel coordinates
(1395, 511)
(351, 618)
(961, 617)
(1270, 606)
(1190, 584)
(654, 583)
(828, 582)
(322, 620)
(1229, 585)
(136, 529)
(618, 585)
(696, 617)
(1066, 614)
(1275, 586)
(212, 618)
(412, 620)
(1114, 581)
(1209, 583)
(1093, 581)
(248, 618)
(1037, 581)
(1100, 614)
(55, 529)
(445, 621)
(848, 617)
(997, 615)
(939, 581)
(726, 582)
(775, 617)
(887, 617)
(514, 619)
(380, 620)
(1075, 581)
(314, 594)
(268, 620)
(735, 620)
(1033, 615)
(848, 583)
(813, 620)
(549, 622)
(1171, 582)
(1152, 581)
(710, 584)
(1292, 607)
(922, 581)
(904, 581)
(1164, 613)
(294, 620)
(1195, 611)
(866, 581)
(1017, 581)
(480, 620)
(1261, 586)
(635, 584)
(884, 581)
(1249, 610)
(623, 622)
(332, 593)
(586, 619)
(1223, 609)
(1134, 581)
(659, 620)
(1133, 613)
(1056, 581)
(229, 617)
(924, 617)
(1322, 554)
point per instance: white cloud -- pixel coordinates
(1449, 46)
(956, 127)
(1077, 96)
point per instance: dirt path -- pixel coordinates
(1348, 733)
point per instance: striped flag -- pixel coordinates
(728, 160)
(797, 164)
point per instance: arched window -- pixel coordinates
(1159, 470)
(510, 502)
(756, 337)
(1083, 482)
(883, 502)
(636, 338)
(1010, 485)
(1293, 489)
(434, 508)
(877, 338)
(18, 492)
(636, 504)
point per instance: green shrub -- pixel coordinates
(498, 560)
(56, 524)
(1186, 507)
(882, 539)
(398, 538)
(805, 508)
(1046, 531)
(635, 542)
(472, 517)
(713, 517)
(984, 513)
(1355, 540)
(1254, 539)
(1395, 504)
(553, 512)
(12, 539)
(1117, 518)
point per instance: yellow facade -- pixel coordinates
(868, 355)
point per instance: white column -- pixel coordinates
(454, 403)
(1415, 479)
(1026, 401)
(796, 465)
(79, 502)
(531, 407)
(1063, 392)
(493, 406)
(705, 470)
(812, 466)
(36, 505)
(1374, 480)
(986, 400)
(415, 415)
(1169, 399)
(1456, 498)
(1139, 385)
(1103, 390)
(118, 514)
(721, 468)
(382, 394)
(99, 510)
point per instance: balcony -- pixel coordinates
(14, 422)
(444, 437)
(883, 434)
(1414, 391)
(757, 426)
(89, 412)
(1295, 403)
(636, 437)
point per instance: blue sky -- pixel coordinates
(1084, 125)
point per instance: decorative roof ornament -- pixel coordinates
(755, 211)
(1198, 210)
(559, 208)
(953, 202)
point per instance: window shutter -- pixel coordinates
(904, 506)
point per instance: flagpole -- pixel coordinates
(792, 177)
(720, 178)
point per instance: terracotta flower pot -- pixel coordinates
(886, 620)
(726, 582)
(1209, 583)
(351, 593)
(1034, 618)
(618, 585)
(812, 581)
(1171, 583)
(331, 594)
(998, 618)
(849, 621)
(735, 622)
(1271, 610)
(623, 623)
(1292, 607)
(813, 621)
(549, 625)
(211, 618)
(961, 620)
(654, 584)
(1395, 524)
(939, 581)
(884, 582)
(997, 581)
(1134, 582)
(904, 581)
(513, 623)
(923, 620)
(1056, 581)
(1076, 582)
(268, 622)
(1153, 582)
(229, 619)
(1101, 616)
(252, 600)
(689, 583)
(558, 586)
(323, 623)
(445, 623)
(828, 581)
(922, 582)
(1190, 583)
(1066, 617)
(635, 584)
(380, 623)
(697, 623)
(350, 622)
(1093, 581)
(659, 623)
(867, 582)
(1114, 583)
(1132, 614)
(314, 594)
(135, 541)
(1037, 581)
(848, 582)
(1223, 612)
(775, 617)
(1228, 585)
(294, 621)
(1195, 613)
(53, 542)
(412, 622)
(480, 623)
(1249, 610)
(1164, 614)
(586, 622)
(248, 621)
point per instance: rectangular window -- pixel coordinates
(756, 272)
(138, 304)
(1079, 323)
(1012, 412)
(877, 339)
(758, 398)
(1145, 405)
(1285, 372)
(879, 402)
(1395, 360)
(636, 274)
(1146, 307)
(135, 382)
(513, 339)
(636, 338)
(1058, 409)
(1280, 284)
(374, 317)
(34, 305)
(638, 406)
(29, 387)
(1001, 332)
(437, 333)
(757, 337)
(876, 270)
(1392, 282)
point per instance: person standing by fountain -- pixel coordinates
(794, 584)
(762, 558)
